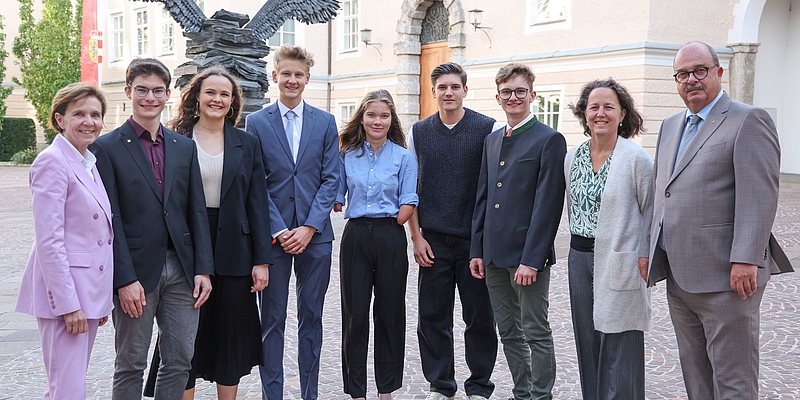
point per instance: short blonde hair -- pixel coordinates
(289, 52)
(510, 70)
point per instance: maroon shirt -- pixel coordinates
(153, 149)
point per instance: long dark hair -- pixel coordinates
(632, 124)
(188, 111)
(353, 135)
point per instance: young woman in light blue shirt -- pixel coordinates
(379, 179)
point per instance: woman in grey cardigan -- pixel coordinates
(608, 184)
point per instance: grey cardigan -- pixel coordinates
(621, 297)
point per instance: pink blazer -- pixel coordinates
(71, 263)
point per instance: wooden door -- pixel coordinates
(432, 54)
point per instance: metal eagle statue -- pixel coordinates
(237, 42)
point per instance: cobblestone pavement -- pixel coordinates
(22, 373)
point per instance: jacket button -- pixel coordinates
(496, 206)
(53, 306)
(51, 298)
(102, 268)
(50, 292)
(295, 173)
(499, 184)
(220, 229)
(291, 198)
(95, 216)
(502, 163)
(99, 242)
(666, 194)
(166, 213)
(109, 242)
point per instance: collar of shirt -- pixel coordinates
(705, 111)
(523, 122)
(140, 131)
(87, 160)
(298, 110)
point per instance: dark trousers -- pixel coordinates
(436, 287)
(312, 269)
(373, 260)
(611, 365)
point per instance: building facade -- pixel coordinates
(566, 43)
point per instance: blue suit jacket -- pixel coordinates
(300, 193)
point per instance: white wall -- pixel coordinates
(776, 83)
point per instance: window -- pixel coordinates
(284, 35)
(547, 11)
(142, 33)
(546, 107)
(346, 111)
(166, 114)
(167, 32)
(350, 31)
(117, 36)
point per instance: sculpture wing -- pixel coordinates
(186, 12)
(275, 12)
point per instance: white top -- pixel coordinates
(211, 171)
(87, 160)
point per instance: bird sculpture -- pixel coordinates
(238, 43)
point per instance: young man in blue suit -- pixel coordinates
(517, 212)
(162, 245)
(301, 157)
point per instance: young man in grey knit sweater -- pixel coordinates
(448, 146)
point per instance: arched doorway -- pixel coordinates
(776, 26)
(433, 51)
(408, 50)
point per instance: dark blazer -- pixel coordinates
(520, 198)
(300, 193)
(718, 205)
(243, 236)
(143, 219)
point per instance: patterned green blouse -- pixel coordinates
(585, 192)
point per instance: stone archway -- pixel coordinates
(408, 49)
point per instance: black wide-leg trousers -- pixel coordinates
(373, 260)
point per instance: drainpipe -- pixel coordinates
(330, 52)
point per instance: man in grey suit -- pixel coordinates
(715, 195)
(300, 146)
(517, 211)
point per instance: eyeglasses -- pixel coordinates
(699, 74)
(521, 93)
(142, 91)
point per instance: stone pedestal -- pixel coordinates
(742, 71)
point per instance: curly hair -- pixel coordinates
(631, 125)
(353, 135)
(188, 111)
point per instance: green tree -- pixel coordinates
(48, 53)
(4, 92)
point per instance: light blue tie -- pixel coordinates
(688, 135)
(290, 131)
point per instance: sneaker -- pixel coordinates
(438, 396)
(477, 397)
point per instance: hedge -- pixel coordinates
(17, 134)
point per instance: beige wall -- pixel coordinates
(634, 42)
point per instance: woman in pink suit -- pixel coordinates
(67, 284)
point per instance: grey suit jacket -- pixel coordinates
(718, 205)
(520, 198)
(300, 193)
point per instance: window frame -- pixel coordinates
(349, 41)
(167, 23)
(141, 32)
(117, 51)
(547, 115)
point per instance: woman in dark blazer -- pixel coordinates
(228, 341)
